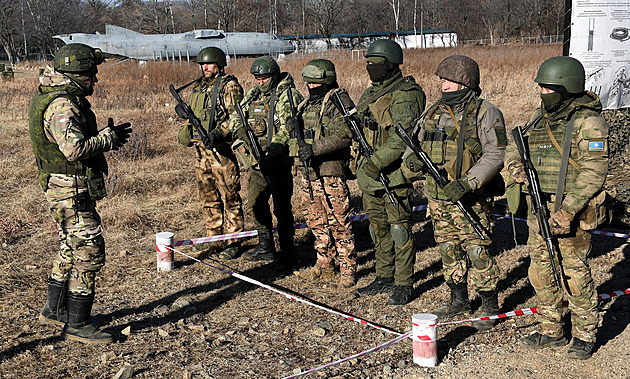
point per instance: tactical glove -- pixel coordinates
(414, 164)
(271, 159)
(560, 222)
(122, 133)
(213, 136)
(305, 151)
(456, 189)
(517, 170)
(241, 134)
(370, 169)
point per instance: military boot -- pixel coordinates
(539, 341)
(229, 253)
(285, 259)
(264, 251)
(379, 285)
(489, 307)
(55, 311)
(459, 303)
(316, 272)
(401, 296)
(581, 349)
(78, 327)
(346, 280)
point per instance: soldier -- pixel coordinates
(391, 99)
(465, 136)
(326, 147)
(217, 171)
(71, 166)
(567, 111)
(267, 108)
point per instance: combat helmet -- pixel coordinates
(319, 71)
(77, 57)
(567, 72)
(265, 66)
(212, 55)
(386, 48)
(459, 69)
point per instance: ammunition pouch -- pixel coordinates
(95, 183)
(598, 212)
(243, 154)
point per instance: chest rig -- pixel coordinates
(261, 114)
(201, 102)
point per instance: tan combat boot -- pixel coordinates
(346, 280)
(316, 272)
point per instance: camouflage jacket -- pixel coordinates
(326, 130)
(589, 151)
(402, 105)
(229, 93)
(256, 109)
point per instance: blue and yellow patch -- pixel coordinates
(596, 146)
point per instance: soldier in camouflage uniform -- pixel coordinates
(326, 147)
(266, 108)
(465, 137)
(565, 105)
(212, 101)
(71, 167)
(390, 100)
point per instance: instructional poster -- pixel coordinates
(600, 39)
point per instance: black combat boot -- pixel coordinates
(581, 349)
(78, 327)
(459, 303)
(401, 296)
(539, 341)
(55, 311)
(285, 260)
(379, 285)
(265, 250)
(489, 307)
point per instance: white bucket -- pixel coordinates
(164, 244)
(424, 339)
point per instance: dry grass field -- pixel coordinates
(199, 322)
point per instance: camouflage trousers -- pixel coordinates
(463, 253)
(82, 247)
(391, 228)
(219, 190)
(572, 261)
(327, 217)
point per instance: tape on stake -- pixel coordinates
(424, 339)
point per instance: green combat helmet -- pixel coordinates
(386, 48)
(562, 71)
(265, 66)
(319, 71)
(77, 57)
(459, 69)
(212, 55)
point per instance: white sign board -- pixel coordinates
(600, 39)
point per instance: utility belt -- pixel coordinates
(75, 169)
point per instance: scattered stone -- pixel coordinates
(107, 356)
(31, 267)
(125, 372)
(297, 370)
(286, 330)
(181, 322)
(197, 328)
(162, 332)
(149, 354)
(402, 364)
(180, 303)
(127, 331)
(243, 321)
(319, 332)
(230, 332)
(327, 325)
(124, 253)
(387, 369)
(162, 309)
(187, 375)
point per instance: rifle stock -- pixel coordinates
(436, 174)
(364, 148)
(539, 205)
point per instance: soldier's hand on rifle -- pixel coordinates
(213, 136)
(305, 151)
(370, 169)
(560, 222)
(241, 134)
(290, 125)
(517, 170)
(414, 164)
(121, 132)
(456, 189)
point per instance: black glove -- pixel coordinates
(370, 169)
(456, 189)
(213, 136)
(305, 151)
(271, 159)
(290, 127)
(122, 131)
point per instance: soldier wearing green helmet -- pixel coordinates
(212, 100)
(266, 109)
(464, 135)
(391, 99)
(568, 143)
(71, 166)
(326, 147)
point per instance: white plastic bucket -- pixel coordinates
(164, 244)
(424, 339)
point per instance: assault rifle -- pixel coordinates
(297, 124)
(539, 205)
(251, 138)
(364, 148)
(184, 111)
(437, 175)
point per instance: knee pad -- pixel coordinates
(448, 252)
(478, 257)
(400, 234)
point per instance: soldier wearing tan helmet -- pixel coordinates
(567, 124)
(69, 149)
(465, 136)
(212, 101)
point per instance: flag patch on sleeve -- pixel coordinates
(594, 146)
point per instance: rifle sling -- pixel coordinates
(213, 102)
(564, 162)
(270, 116)
(460, 141)
(390, 88)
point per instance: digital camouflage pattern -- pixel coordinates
(589, 150)
(219, 183)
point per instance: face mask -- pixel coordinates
(79, 81)
(454, 97)
(317, 93)
(551, 101)
(377, 71)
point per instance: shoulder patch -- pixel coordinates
(596, 146)
(501, 134)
